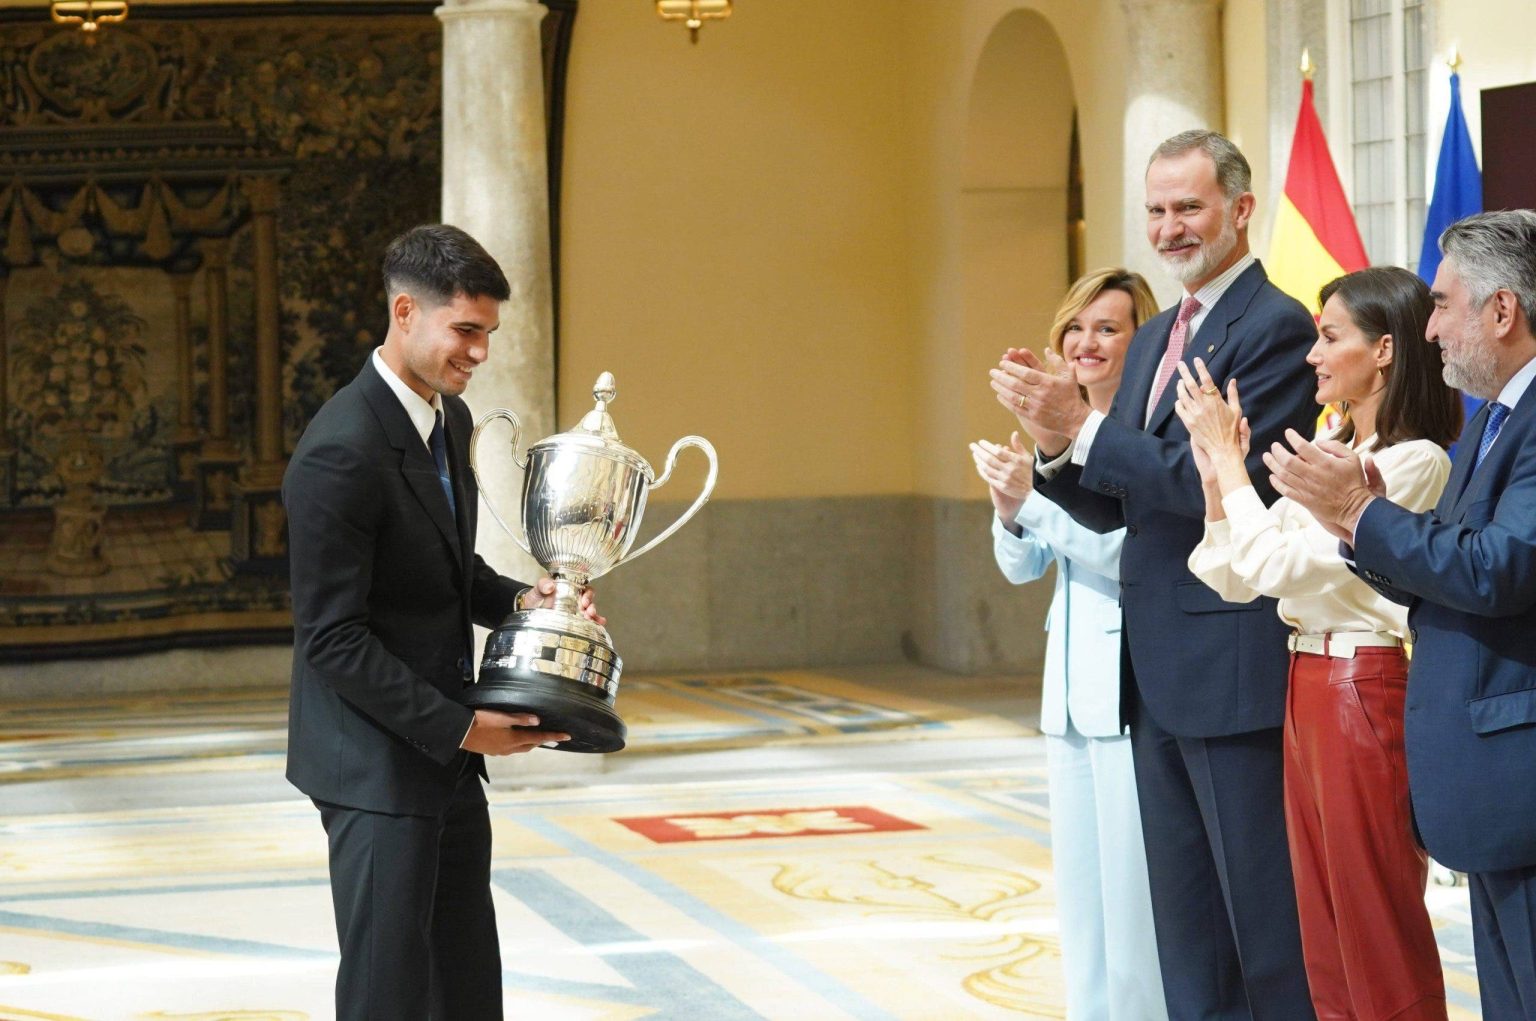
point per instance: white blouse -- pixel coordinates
(1281, 550)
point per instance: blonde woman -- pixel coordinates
(1108, 948)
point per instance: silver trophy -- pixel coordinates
(584, 493)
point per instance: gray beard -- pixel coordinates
(1478, 375)
(1208, 258)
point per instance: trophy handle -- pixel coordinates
(709, 487)
(474, 439)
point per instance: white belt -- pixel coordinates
(1341, 644)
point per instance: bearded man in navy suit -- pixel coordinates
(386, 584)
(1204, 680)
(1467, 573)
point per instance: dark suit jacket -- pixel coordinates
(1203, 666)
(385, 585)
(1467, 572)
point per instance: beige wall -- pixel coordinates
(1247, 104)
(989, 219)
(773, 238)
(735, 242)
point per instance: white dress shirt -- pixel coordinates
(1515, 389)
(423, 413)
(1282, 551)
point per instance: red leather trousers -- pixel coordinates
(1365, 934)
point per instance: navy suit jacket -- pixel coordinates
(385, 584)
(1204, 667)
(1467, 572)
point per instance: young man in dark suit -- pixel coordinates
(1467, 573)
(386, 584)
(1204, 680)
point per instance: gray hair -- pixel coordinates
(1232, 171)
(1495, 251)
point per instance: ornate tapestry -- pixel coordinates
(192, 210)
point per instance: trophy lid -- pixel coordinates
(596, 431)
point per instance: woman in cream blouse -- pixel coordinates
(1104, 906)
(1366, 937)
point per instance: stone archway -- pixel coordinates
(1013, 194)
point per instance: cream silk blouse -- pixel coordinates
(1281, 550)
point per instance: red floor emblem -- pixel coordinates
(783, 822)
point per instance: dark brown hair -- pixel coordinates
(436, 261)
(1417, 403)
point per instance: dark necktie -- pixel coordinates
(439, 443)
(1497, 413)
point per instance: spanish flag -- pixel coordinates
(1315, 235)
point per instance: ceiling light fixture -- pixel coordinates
(90, 15)
(693, 13)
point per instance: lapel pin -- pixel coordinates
(1208, 350)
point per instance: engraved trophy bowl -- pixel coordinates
(584, 494)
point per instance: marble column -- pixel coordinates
(1173, 83)
(496, 187)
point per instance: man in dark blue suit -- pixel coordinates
(1204, 691)
(1467, 572)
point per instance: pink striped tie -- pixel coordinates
(1171, 357)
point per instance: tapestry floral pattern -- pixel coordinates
(169, 120)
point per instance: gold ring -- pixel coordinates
(1021, 402)
(1212, 390)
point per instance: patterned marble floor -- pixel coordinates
(836, 878)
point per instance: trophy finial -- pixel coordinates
(597, 421)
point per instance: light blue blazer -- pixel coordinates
(1082, 645)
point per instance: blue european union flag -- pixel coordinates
(1458, 193)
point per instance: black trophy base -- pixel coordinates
(559, 667)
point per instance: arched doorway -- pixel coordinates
(1015, 191)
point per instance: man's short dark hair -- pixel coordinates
(435, 261)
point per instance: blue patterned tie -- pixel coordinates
(440, 455)
(1497, 413)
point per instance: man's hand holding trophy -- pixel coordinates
(584, 494)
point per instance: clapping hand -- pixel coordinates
(1008, 472)
(1219, 435)
(1214, 423)
(1043, 396)
(1327, 478)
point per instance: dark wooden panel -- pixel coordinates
(1509, 147)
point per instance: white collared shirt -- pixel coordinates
(1515, 389)
(1207, 296)
(1282, 550)
(423, 413)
